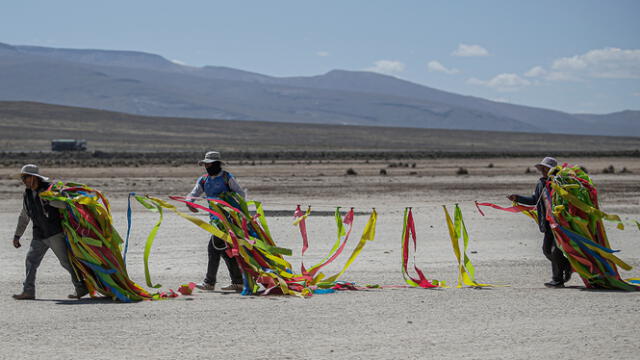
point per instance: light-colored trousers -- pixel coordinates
(36, 252)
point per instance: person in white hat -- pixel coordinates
(47, 233)
(560, 266)
(215, 182)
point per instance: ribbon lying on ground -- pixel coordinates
(457, 230)
(409, 231)
(248, 240)
(94, 244)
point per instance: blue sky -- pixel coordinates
(574, 56)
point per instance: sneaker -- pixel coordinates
(24, 296)
(78, 294)
(554, 284)
(233, 287)
(205, 286)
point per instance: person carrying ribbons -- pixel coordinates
(47, 233)
(212, 184)
(560, 267)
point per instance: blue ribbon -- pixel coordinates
(98, 268)
(126, 243)
(579, 238)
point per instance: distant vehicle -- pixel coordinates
(68, 145)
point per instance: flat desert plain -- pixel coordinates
(521, 320)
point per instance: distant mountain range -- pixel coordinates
(148, 84)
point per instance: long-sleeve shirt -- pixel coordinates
(536, 199)
(23, 222)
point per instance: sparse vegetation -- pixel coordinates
(383, 172)
(609, 170)
(462, 171)
(350, 171)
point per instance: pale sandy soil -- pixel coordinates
(521, 321)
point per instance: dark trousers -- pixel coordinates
(559, 263)
(216, 250)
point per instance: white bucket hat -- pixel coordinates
(548, 162)
(210, 157)
(32, 170)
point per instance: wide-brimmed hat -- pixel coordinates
(210, 157)
(32, 170)
(548, 162)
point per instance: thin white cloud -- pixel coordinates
(438, 67)
(503, 82)
(178, 62)
(607, 63)
(388, 67)
(322, 53)
(470, 50)
(636, 94)
(536, 71)
(544, 74)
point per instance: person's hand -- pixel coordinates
(192, 209)
(512, 197)
(16, 242)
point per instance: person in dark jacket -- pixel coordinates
(560, 267)
(47, 233)
(212, 184)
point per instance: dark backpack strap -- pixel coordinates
(225, 177)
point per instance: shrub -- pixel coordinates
(350, 171)
(383, 172)
(609, 170)
(462, 171)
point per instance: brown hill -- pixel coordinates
(28, 126)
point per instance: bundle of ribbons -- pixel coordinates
(243, 227)
(574, 215)
(94, 244)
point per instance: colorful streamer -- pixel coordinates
(457, 230)
(409, 231)
(573, 213)
(264, 267)
(530, 211)
(94, 244)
